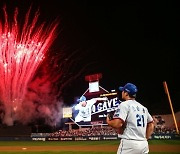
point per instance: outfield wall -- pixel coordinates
(45, 137)
(98, 138)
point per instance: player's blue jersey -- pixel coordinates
(136, 117)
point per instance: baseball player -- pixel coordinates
(84, 108)
(133, 122)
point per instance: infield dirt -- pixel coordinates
(99, 148)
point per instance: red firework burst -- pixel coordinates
(22, 50)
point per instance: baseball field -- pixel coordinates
(81, 147)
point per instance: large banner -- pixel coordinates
(94, 112)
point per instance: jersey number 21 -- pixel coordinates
(140, 120)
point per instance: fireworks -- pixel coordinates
(22, 50)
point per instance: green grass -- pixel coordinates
(56, 143)
(65, 143)
(162, 142)
(66, 152)
(73, 152)
(164, 153)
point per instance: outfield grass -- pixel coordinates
(66, 152)
(65, 143)
(162, 142)
(78, 143)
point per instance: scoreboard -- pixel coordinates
(97, 111)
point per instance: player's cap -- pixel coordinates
(82, 98)
(130, 88)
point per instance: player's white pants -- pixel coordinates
(133, 147)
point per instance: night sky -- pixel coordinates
(125, 41)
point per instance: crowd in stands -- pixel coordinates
(95, 131)
(160, 128)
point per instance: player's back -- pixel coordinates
(136, 120)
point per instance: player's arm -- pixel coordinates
(117, 120)
(149, 129)
(115, 123)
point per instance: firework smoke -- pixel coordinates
(22, 50)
